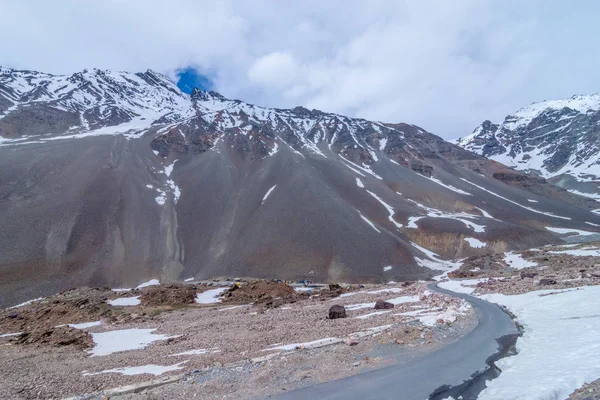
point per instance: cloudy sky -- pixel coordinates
(443, 65)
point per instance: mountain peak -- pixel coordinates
(206, 95)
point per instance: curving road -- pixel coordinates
(448, 371)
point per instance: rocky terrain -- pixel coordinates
(551, 267)
(556, 140)
(132, 336)
(113, 178)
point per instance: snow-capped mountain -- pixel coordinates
(113, 178)
(557, 139)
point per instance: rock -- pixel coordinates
(351, 342)
(525, 274)
(383, 305)
(546, 281)
(13, 314)
(336, 311)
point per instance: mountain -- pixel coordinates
(558, 140)
(113, 178)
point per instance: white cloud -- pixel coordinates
(274, 70)
(444, 65)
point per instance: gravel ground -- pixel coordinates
(239, 334)
(589, 391)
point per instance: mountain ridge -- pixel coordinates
(120, 177)
(556, 139)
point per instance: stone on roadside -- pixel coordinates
(383, 305)
(336, 311)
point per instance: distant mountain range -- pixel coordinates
(112, 178)
(558, 140)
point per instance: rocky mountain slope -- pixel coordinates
(558, 140)
(112, 178)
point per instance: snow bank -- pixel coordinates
(584, 252)
(210, 296)
(559, 350)
(151, 282)
(151, 369)
(307, 345)
(125, 301)
(564, 231)
(517, 261)
(475, 243)
(106, 343)
(85, 325)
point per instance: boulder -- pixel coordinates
(525, 274)
(336, 311)
(546, 281)
(383, 305)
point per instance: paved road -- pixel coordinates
(419, 378)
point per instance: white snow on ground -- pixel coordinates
(517, 261)
(395, 301)
(583, 252)
(151, 282)
(189, 280)
(10, 334)
(594, 196)
(564, 231)
(591, 223)
(210, 296)
(433, 261)
(485, 213)
(359, 183)
(267, 194)
(198, 352)
(514, 202)
(369, 222)
(448, 315)
(28, 302)
(306, 345)
(303, 289)
(169, 168)
(412, 222)
(454, 189)
(475, 243)
(234, 307)
(559, 349)
(142, 369)
(85, 325)
(121, 290)
(161, 199)
(462, 286)
(387, 268)
(389, 208)
(387, 290)
(125, 301)
(123, 340)
(532, 201)
(382, 143)
(372, 314)
(462, 217)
